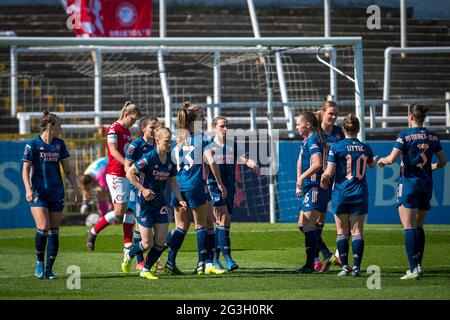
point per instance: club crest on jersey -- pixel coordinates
(58, 147)
(142, 163)
(27, 149)
(130, 149)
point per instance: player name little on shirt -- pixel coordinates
(355, 148)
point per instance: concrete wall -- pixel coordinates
(423, 9)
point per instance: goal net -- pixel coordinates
(258, 84)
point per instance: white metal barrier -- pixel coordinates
(371, 121)
(388, 52)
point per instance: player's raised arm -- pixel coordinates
(390, 159)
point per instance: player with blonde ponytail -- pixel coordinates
(118, 139)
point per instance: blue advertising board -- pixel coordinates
(382, 183)
(14, 211)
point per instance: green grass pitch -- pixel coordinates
(267, 254)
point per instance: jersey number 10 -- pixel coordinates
(360, 166)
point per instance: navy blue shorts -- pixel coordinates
(193, 198)
(411, 198)
(52, 206)
(314, 199)
(355, 209)
(218, 201)
(147, 218)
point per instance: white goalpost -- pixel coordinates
(194, 69)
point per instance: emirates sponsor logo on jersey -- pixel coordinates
(50, 156)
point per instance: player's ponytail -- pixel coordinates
(160, 128)
(419, 112)
(186, 116)
(47, 118)
(311, 118)
(129, 108)
(351, 124)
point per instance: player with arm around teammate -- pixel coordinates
(191, 159)
(313, 199)
(44, 189)
(331, 133)
(347, 162)
(156, 167)
(416, 146)
(137, 148)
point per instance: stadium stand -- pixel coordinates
(414, 77)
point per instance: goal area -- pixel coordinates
(258, 84)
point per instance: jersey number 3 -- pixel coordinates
(423, 147)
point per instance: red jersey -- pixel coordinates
(121, 136)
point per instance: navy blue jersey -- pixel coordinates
(351, 157)
(417, 146)
(226, 157)
(311, 146)
(191, 168)
(46, 174)
(136, 150)
(335, 135)
(154, 175)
